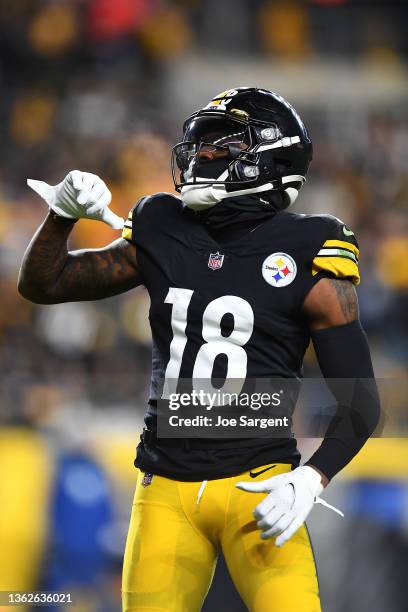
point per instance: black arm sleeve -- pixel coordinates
(344, 358)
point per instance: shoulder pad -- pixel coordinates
(154, 200)
(145, 207)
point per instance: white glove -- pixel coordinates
(81, 195)
(291, 498)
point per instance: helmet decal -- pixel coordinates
(226, 94)
(218, 103)
(239, 113)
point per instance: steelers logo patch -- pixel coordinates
(279, 269)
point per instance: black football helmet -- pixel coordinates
(258, 144)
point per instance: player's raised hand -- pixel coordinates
(290, 499)
(81, 195)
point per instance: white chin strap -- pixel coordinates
(290, 195)
(201, 198)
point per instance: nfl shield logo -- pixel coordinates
(215, 261)
(147, 479)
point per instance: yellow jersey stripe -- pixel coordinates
(127, 233)
(343, 245)
(340, 267)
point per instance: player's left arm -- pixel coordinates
(344, 358)
(331, 302)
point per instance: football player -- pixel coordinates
(238, 287)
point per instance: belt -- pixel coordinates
(149, 437)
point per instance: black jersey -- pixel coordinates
(241, 299)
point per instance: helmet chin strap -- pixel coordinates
(201, 198)
(290, 194)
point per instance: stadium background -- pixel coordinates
(102, 86)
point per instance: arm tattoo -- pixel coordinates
(96, 274)
(50, 274)
(347, 298)
(331, 302)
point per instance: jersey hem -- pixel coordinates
(200, 476)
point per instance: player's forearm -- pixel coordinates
(44, 261)
(51, 274)
(344, 358)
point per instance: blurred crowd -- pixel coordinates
(89, 84)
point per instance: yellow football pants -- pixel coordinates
(172, 544)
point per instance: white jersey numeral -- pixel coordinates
(214, 342)
(180, 298)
